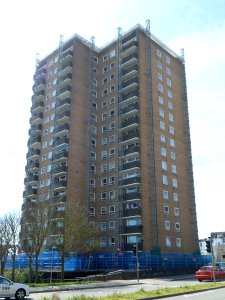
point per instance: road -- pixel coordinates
(123, 287)
(217, 294)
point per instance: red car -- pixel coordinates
(206, 273)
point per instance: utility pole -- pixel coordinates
(213, 261)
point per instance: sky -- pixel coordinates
(28, 27)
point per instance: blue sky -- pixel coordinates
(198, 26)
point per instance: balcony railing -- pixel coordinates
(37, 107)
(61, 169)
(65, 78)
(62, 103)
(34, 140)
(30, 192)
(59, 184)
(129, 37)
(131, 121)
(131, 82)
(61, 155)
(129, 247)
(62, 129)
(33, 153)
(66, 68)
(61, 141)
(131, 165)
(31, 179)
(132, 57)
(32, 165)
(132, 229)
(129, 95)
(132, 180)
(133, 44)
(59, 199)
(129, 136)
(130, 108)
(132, 69)
(131, 196)
(131, 150)
(65, 114)
(36, 118)
(40, 73)
(66, 89)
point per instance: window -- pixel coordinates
(48, 181)
(42, 183)
(105, 69)
(167, 225)
(94, 105)
(112, 209)
(103, 168)
(95, 59)
(93, 118)
(95, 83)
(176, 211)
(112, 53)
(163, 152)
(112, 101)
(93, 143)
(175, 197)
(93, 130)
(173, 169)
(173, 155)
(112, 113)
(111, 194)
(104, 141)
(53, 105)
(171, 130)
(168, 60)
(45, 132)
(49, 168)
(103, 196)
(168, 241)
(105, 92)
(112, 65)
(111, 126)
(105, 58)
(168, 71)
(111, 225)
(165, 194)
(177, 226)
(112, 76)
(165, 179)
(92, 182)
(93, 155)
(44, 145)
(104, 104)
(158, 52)
(46, 119)
(169, 82)
(160, 88)
(162, 125)
(112, 138)
(111, 241)
(162, 138)
(164, 166)
(166, 209)
(50, 155)
(172, 142)
(43, 170)
(111, 180)
(112, 166)
(103, 226)
(104, 116)
(92, 197)
(95, 71)
(103, 182)
(170, 117)
(160, 76)
(159, 64)
(103, 242)
(104, 81)
(104, 128)
(50, 142)
(92, 169)
(174, 182)
(44, 157)
(161, 112)
(52, 117)
(103, 210)
(104, 154)
(161, 100)
(111, 152)
(91, 211)
(169, 94)
(112, 88)
(51, 129)
(47, 108)
(178, 242)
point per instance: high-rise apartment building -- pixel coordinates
(109, 129)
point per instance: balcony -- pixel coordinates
(132, 108)
(63, 116)
(130, 136)
(131, 165)
(31, 179)
(129, 247)
(61, 141)
(129, 72)
(34, 142)
(132, 229)
(40, 73)
(35, 129)
(67, 56)
(37, 107)
(59, 184)
(130, 122)
(60, 170)
(30, 192)
(129, 84)
(129, 60)
(65, 79)
(131, 150)
(130, 47)
(64, 92)
(66, 68)
(129, 38)
(39, 85)
(60, 156)
(32, 166)
(33, 153)
(40, 94)
(131, 196)
(63, 104)
(63, 129)
(130, 97)
(59, 199)
(36, 119)
(130, 181)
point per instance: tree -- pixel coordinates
(4, 242)
(76, 233)
(35, 231)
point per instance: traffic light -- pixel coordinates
(208, 246)
(134, 249)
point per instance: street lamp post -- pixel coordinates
(52, 253)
